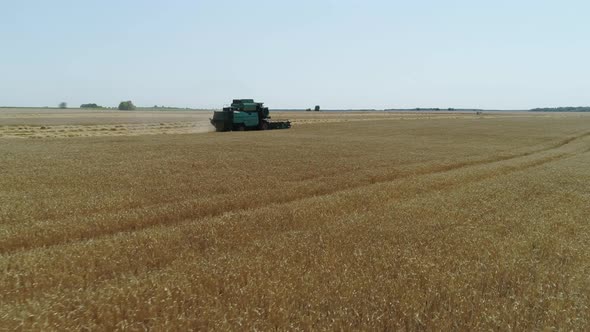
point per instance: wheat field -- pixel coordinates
(347, 221)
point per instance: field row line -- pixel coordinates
(394, 191)
(76, 231)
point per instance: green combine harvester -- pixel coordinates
(245, 114)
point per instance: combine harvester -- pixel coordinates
(245, 114)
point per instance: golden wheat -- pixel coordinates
(446, 222)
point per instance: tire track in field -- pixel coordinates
(52, 233)
(375, 179)
(153, 220)
(221, 224)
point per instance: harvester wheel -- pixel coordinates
(241, 128)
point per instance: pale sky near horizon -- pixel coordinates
(296, 54)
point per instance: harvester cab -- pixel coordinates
(245, 114)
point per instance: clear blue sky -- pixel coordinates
(338, 54)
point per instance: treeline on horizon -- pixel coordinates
(128, 105)
(562, 109)
(125, 106)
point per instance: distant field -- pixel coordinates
(60, 123)
(347, 221)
